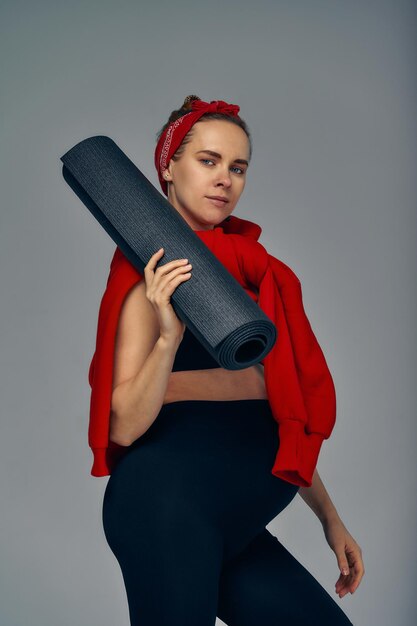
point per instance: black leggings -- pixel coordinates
(185, 511)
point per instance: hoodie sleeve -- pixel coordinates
(122, 277)
(315, 379)
(305, 424)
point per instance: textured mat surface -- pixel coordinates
(140, 220)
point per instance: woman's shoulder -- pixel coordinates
(122, 268)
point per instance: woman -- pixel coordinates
(186, 505)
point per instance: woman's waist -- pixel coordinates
(216, 384)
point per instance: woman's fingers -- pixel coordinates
(154, 259)
(166, 267)
(350, 582)
(160, 285)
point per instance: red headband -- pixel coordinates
(173, 135)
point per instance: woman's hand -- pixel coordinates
(160, 285)
(348, 555)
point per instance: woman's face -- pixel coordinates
(199, 174)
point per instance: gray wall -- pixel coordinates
(328, 91)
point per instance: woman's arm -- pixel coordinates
(143, 361)
(348, 552)
(318, 499)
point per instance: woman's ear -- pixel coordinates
(166, 175)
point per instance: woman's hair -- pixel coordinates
(186, 108)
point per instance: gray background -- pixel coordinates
(328, 91)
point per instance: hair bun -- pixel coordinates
(188, 100)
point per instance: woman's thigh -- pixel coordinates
(170, 561)
(266, 585)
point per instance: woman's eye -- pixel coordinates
(235, 168)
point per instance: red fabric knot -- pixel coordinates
(215, 106)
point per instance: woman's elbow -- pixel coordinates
(117, 434)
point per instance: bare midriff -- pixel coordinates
(217, 384)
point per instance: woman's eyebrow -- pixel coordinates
(219, 156)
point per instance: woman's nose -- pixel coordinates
(224, 178)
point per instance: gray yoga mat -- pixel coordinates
(140, 220)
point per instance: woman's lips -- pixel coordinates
(218, 203)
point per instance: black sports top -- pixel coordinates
(191, 355)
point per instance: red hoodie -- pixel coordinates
(298, 382)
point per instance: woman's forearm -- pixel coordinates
(318, 499)
(137, 401)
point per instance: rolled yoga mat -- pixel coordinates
(214, 306)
